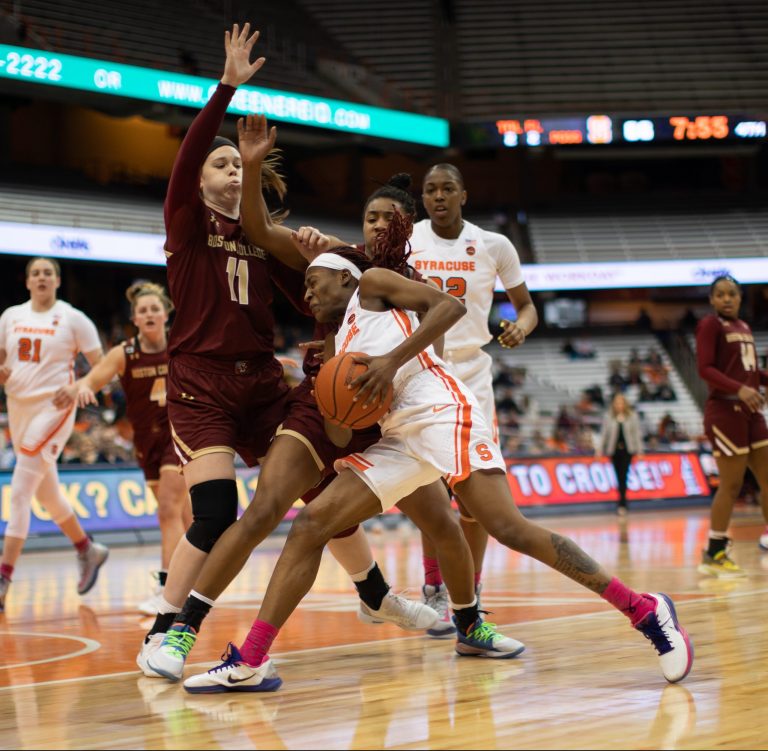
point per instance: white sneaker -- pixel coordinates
(437, 599)
(670, 639)
(763, 542)
(483, 640)
(234, 675)
(408, 614)
(169, 658)
(151, 605)
(148, 646)
(90, 562)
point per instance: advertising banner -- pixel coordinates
(117, 499)
(588, 479)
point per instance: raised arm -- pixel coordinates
(256, 141)
(183, 195)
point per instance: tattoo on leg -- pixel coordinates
(577, 565)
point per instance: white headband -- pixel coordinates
(337, 263)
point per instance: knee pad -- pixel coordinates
(214, 509)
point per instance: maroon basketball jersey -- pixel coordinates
(144, 385)
(219, 281)
(726, 355)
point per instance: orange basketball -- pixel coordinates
(334, 399)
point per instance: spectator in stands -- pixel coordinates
(596, 395)
(688, 321)
(645, 394)
(585, 443)
(634, 357)
(559, 443)
(586, 405)
(665, 392)
(635, 373)
(514, 446)
(644, 320)
(578, 349)
(505, 402)
(565, 420)
(668, 428)
(621, 439)
(616, 380)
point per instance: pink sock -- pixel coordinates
(83, 545)
(432, 575)
(6, 571)
(635, 606)
(478, 574)
(257, 643)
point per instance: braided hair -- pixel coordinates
(355, 255)
(393, 248)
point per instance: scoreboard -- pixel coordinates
(607, 129)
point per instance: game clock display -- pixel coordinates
(603, 129)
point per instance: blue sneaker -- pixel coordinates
(169, 658)
(669, 638)
(235, 675)
(483, 640)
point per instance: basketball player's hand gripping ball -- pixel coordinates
(354, 390)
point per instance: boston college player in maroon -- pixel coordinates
(226, 392)
(727, 360)
(141, 363)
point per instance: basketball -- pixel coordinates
(335, 400)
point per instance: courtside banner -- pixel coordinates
(107, 499)
(573, 479)
(115, 499)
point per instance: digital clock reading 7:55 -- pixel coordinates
(701, 128)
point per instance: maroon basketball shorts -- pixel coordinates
(304, 422)
(155, 452)
(732, 428)
(224, 406)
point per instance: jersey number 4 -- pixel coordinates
(238, 269)
(158, 392)
(29, 349)
(455, 286)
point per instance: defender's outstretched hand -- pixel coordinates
(238, 68)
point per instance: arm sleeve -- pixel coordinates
(86, 334)
(507, 261)
(706, 356)
(183, 197)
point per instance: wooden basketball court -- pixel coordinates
(586, 680)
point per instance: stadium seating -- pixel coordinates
(536, 59)
(639, 236)
(553, 379)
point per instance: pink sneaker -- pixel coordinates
(437, 598)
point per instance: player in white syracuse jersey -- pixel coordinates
(39, 341)
(464, 261)
(433, 429)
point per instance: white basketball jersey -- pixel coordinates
(466, 268)
(41, 347)
(378, 333)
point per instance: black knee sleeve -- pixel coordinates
(214, 508)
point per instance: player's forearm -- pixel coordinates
(719, 380)
(184, 184)
(438, 319)
(528, 318)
